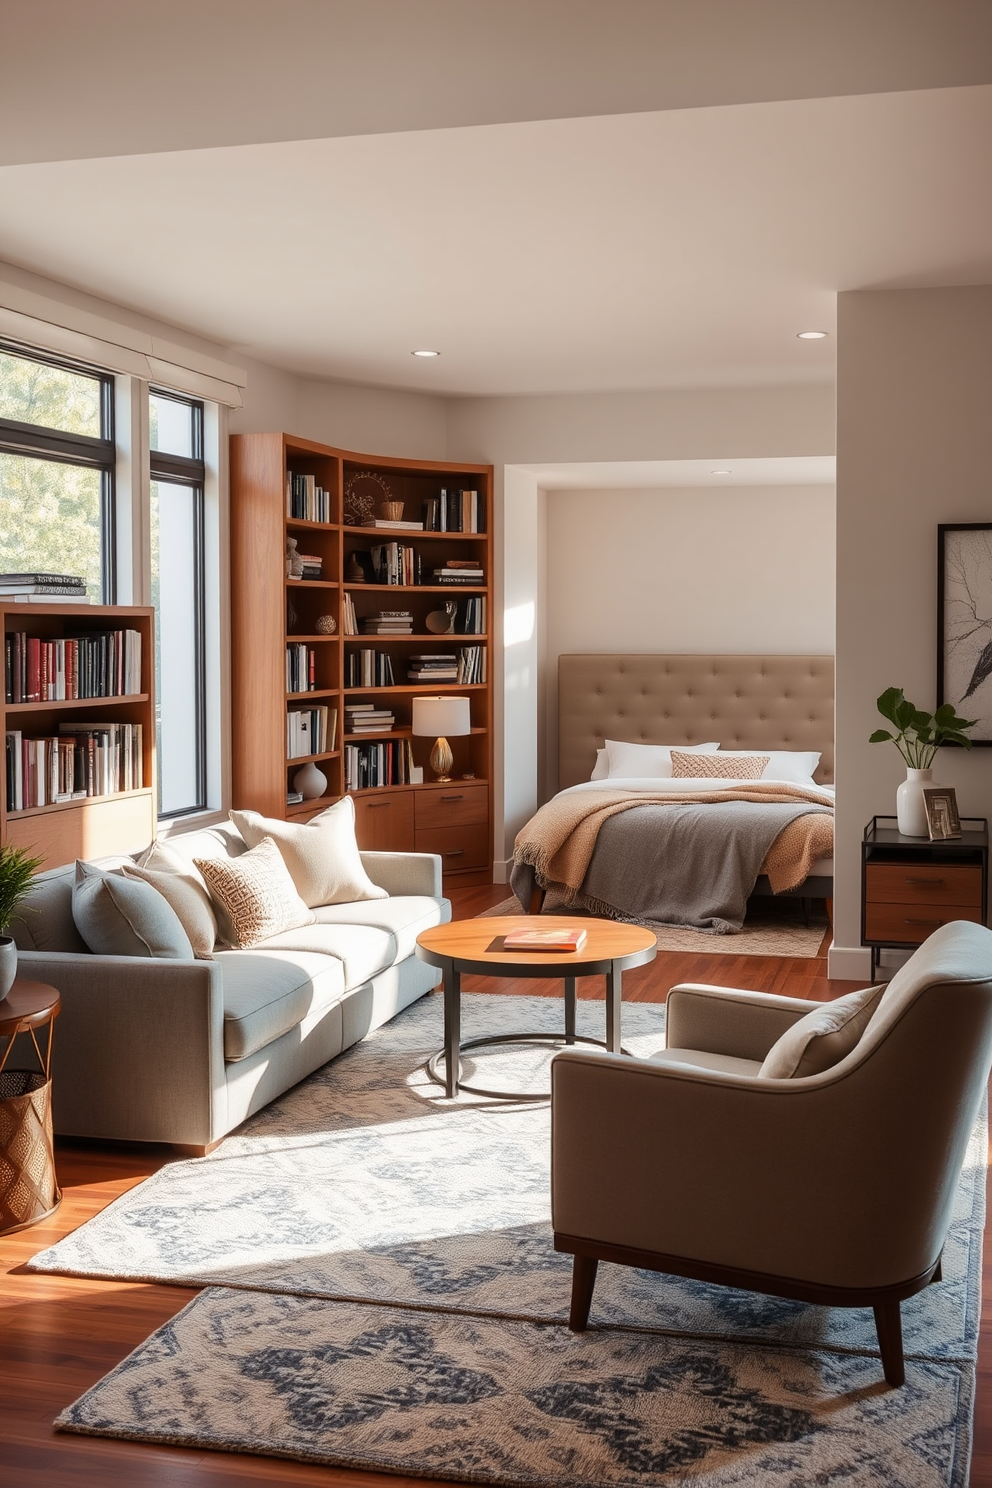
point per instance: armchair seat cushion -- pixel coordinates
(724, 1064)
(267, 993)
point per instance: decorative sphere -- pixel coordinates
(325, 625)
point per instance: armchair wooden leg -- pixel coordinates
(536, 902)
(888, 1325)
(583, 1282)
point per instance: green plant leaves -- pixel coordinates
(919, 735)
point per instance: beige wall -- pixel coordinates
(663, 570)
(914, 448)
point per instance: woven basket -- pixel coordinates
(28, 1187)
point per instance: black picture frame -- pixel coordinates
(964, 623)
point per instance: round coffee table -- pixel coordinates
(474, 948)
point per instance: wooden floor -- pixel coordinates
(59, 1335)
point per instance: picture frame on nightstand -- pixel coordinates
(943, 821)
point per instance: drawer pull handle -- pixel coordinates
(453, 798)
(908, 921)
(378, 805)
(456, 853)
(924, 880)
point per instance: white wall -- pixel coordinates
(664, 570)
(914, 448)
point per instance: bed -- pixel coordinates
(608, 845)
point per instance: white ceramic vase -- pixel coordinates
(911, 811)
(8, 964)
(309, 781)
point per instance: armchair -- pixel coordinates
(806, 1150)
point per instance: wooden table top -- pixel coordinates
(27, 1005)
(467, 942)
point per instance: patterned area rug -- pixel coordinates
(774, 927)
(372, 1305)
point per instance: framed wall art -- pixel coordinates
(964, 623)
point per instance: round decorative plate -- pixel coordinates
(363, 492)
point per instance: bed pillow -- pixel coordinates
(119, 916)
(686, 766)
(322, 855)
(601, 768)
(795, 765)
(256, 893)
(648, 760)
(823, 1038)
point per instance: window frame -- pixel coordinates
(41, 442)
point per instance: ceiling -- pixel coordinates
(557, 195)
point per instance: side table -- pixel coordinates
(911, 885)
(29, 1189)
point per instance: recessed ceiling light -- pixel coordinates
(810, 335)
(425, 353)
(721, 472)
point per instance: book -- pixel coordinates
(405, 526)
(16, 597)
(526, 939)
(22, 580)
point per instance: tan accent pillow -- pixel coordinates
(256, 893)
(190, 901)
(322, 855)
(718, 766)
(823, 1038)
(117, 916)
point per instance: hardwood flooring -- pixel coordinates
(59, 1335)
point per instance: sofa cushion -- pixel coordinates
(189, 899)
(119, 916)
(321, 854)
(267, 993)
(256, 893)
(823, 1038)
(402, 917)
(363, 950)
(46, 923)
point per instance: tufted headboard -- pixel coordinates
(746, 702)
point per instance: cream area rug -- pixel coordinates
(382, 1293)
(774, 927)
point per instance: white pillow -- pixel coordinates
(796, 766)
(601, 768)
(321, 854)
(647, 760)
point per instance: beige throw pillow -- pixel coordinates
(321, 854)
(255, 893)
(718, 766)
(118, 916)
(190, 901)
(823, 1038)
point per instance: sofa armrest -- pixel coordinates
(723, 1020)
(138, 1052)
(405, 873)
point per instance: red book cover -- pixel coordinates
(34, 670)
(526, 939)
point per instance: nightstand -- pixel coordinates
(910, 886)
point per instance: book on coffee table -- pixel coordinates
(544, 940)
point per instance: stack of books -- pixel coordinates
(439, 667)
(368, 765)
(396, 563)
(313, 565)
(305, 500)
(87, 759)
(43, 588)
(406, 526)
(368, 668)
(460, 571)
(388, 622)
(310, 731)
(471, 665)
(99, 664)
(366, 718)
(301, 667)
(471, 618)
(454, 511)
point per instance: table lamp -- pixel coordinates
(440, 718)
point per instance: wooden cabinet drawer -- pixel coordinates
(893, 924)
(384, 823)
(924, 883)
(459, 848)
(456, 805)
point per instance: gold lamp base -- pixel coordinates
(442, 760)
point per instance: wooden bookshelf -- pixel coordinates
(94, 825)
(270, 609)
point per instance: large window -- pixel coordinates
(177, 575)
(57, 460)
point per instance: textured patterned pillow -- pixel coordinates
(322, 855)
(823, 1038)
(718, 766)
(256, 893)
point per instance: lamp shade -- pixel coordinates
(441, 717)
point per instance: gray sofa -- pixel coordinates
(150, 1050)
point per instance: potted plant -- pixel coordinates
(17, 867)
(918, 736)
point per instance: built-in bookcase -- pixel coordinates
(114, 731)
(382, 586)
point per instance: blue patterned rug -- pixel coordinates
(382, 1293)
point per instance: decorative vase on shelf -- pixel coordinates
(911, 811)
(309, 781)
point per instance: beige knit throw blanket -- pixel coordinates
(559, 840)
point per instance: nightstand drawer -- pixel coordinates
(457, 805)
(892, 924)
(384, 823)
(924, 883)
(459, 848)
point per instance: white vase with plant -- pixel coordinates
(918, 736)
(17, 868)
